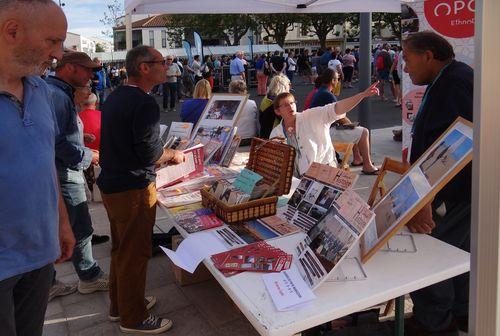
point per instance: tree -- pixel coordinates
(99, 48)
(322, 24)
(112, 16)
(277, 25)
(228, 27)
(383, 20)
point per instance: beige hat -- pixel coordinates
(80, 58)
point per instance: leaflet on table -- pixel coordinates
(213, 138)
(317, 190)
(329, 241)
(195, 217)
(174, 201)
(194, 249)
(175, 173)
(227, 159)
(263, 229)
(257, 257)
(246, 180)
(180, 129)
(288, 290)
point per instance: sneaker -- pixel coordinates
(61, 289)
(149, 301)
(151, 325)
(99, 239)
(99, 284)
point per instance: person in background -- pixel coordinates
(130, 149)
(309, 132)
(196, 67)
(442, 308)
(248, 122)
(35, 230)
(101, 82)
(237, 67)
(291, 65)
(170, 85)
(396, 78)
(348, 62)
(277, 63)
(187, 79)
(267, 118)
(357, 135)
(263, 71)
(193, 108)
(383, 64)
(207, 70)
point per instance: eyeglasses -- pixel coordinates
(153, 62)
(287, 104)
(170, 59)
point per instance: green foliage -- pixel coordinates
(111, 16)
(322, 24)
(277, 25)
(99, 47)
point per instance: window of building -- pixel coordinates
(163, 38)
(152, 38)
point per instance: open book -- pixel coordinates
(172, 174)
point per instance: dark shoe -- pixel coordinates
(397, 135)
(99, 239)
(61, 289)
(375, 172)
(462, 323)
(151, 325)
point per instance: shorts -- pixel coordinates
(396, 78)
(346, 135)
(383, 74)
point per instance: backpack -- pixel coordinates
(380, 65)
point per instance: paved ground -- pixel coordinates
(200, 309)
(384, 114)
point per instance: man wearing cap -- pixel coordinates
(75, 70)
(34, 229)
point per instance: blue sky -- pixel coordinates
(84, 15)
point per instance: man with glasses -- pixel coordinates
(130, 150)
(75, 70)
(170, 85)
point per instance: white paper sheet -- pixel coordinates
(194, 249)
(288, 290)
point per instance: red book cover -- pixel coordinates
(191, 167)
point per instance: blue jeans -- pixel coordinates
(73, 193)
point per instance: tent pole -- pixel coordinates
(128, 31)
(365, 65)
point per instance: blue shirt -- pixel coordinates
(192, 109)
(28, 207)
(322, 97)
(236, 67)
(71, 154)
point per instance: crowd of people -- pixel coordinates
(56, 128)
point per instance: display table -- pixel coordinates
(389, 275)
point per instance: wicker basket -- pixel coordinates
(272, 160)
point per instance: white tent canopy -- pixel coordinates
(259, 6)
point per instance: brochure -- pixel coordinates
(175, 173)
(213, 138)
(315, 194)
(183, 199)
(195, 217)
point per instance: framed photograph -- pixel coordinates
(222, 110)
(425, 178)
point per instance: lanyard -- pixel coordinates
(424, 99)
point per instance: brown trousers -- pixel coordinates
(132, 216)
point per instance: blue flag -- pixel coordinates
(198, 44)
(187, 49)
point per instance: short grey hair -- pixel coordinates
(91, 100)
(237, 86)
(135, 57)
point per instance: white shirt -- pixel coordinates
(196, 66)
(291, 64)
(248, 120)
(333, 64)
(312, 130)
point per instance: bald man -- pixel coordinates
(34, 231)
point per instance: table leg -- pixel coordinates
(399, 325)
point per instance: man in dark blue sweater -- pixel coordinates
(441, 309)
(130, 149)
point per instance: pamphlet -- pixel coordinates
(246, 180)
(315, 194)
(213, 138)
(288, 290)
(175, 173)
(183, 199)
(195, 217)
